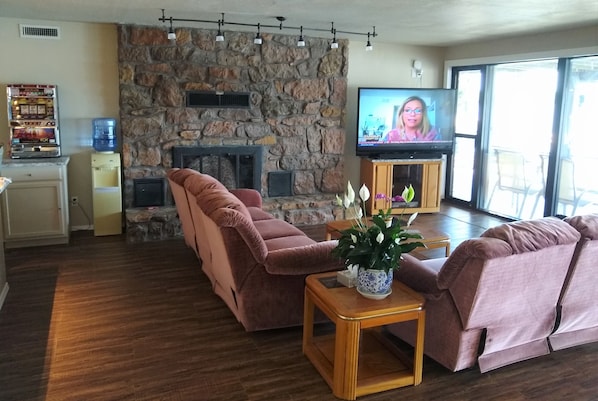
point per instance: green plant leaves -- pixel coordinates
(363, 247)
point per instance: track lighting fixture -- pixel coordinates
(334, 44)
(171, 34)
(301, 41)
(219, 35)
(258, 40)
(368, 45)
(258, 36)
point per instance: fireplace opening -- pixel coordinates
(234, 166)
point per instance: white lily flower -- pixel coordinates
(380, 237)
(359, 213)
(408, 193)
(339, 201)
(346, 202)
(397, 241)
(413, 216)
(350, 192)
(364, 193)
(354, 238)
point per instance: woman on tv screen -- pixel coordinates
(412, 123)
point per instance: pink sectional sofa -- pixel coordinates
(493, 301)
(256, 263)
(577, 321)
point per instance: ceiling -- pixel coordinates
(426, 22)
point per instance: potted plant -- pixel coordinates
(373, 247)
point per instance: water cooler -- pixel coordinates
(106, 179)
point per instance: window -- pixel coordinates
(525, 139)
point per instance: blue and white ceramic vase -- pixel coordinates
(374, 284)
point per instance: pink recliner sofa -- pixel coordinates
(577, 321)
(492, 302)
(256, 263)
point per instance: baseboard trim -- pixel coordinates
(81, 228)
(3, 294)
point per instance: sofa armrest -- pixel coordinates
(420, 275)
(249, 197)
(308, 259)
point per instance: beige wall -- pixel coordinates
(572, 42)
(388, 65)
(83, 63)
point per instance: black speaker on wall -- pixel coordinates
(149, 192)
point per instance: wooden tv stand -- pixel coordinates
(390, 176)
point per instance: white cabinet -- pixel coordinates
(35, 205)
(3, 281)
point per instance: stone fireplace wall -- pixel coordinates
(297, 113)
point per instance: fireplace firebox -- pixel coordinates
(233, 166)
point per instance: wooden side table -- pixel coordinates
(337, 356)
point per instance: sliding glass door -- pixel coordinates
(470, 84)
(525, 138)
(520, 120)
(576, 184)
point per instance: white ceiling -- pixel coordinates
(424, 22)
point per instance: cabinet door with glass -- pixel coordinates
(390, 177)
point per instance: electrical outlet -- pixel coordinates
(74, 201)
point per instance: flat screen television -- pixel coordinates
(405, 122)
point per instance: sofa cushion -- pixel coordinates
(466, 252)
(292, 241)
(275, 228)
(249, 197)
(258, 214)
(587, 225)
(202, 182)
(533, 235)
(239, 225)
(180, 175)
(302, 260)
(176, 179)
(211, 199)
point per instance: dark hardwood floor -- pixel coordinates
(100, 319)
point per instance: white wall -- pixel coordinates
(388, 66)
(84, 65)
(566, 43)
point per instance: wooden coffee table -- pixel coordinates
(380, 366)
(432, 238)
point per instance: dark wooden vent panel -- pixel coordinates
(218, 99)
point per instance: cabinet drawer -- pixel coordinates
(32, 173)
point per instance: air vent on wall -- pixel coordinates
(218, 99)
(39, 31)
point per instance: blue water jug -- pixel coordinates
(104, 135)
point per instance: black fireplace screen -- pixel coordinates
(233, 166)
